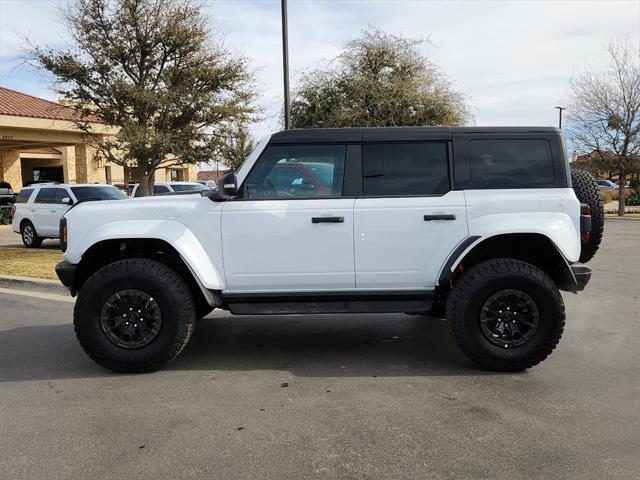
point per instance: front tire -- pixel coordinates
(30, 237)
(506, 314)
(134, 315)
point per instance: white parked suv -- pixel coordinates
(162, 188)
(39, 207)
(480, 225)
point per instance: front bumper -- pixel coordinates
(67, 274)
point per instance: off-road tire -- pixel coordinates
(587, 191)
(31, 240)
(154, 278)
(480, 282)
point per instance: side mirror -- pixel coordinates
(229, 185)
(67, 201)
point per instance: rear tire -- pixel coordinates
(587, 191)
(140, 292)
(30, 237)
(486, 328)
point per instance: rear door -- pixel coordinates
(287, 234)
(43, 208)
(408, 218)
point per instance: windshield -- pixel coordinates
(101, 192)
(188, 187)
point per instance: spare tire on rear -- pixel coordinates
(587, 191)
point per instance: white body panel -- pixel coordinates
(554, 213)
(189, 223)
(395, 248)
(272, 245)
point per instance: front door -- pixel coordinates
(407, 219)
(291, 230)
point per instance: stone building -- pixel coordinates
(39, 141)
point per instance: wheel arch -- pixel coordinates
(534, 248)
(107, 251)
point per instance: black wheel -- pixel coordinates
(587, 191)
(506, 314)
(134, 315)
(29, 235)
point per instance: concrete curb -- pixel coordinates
(621, 219)
(33, 284)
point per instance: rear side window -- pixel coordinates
(23, 196)
(46, 195)
(160, 189)
(404, 169)
(510, 163)
(97, 192)
(188, 187)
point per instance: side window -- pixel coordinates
(297, 171)
(46, 195)
(405, 169)
(60, 194)
(23, 196)
(510, 163)
(158, 189)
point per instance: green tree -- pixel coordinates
(378, 80)
(152, 69)
(236, 147)
(604, 116)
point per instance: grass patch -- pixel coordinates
(26, 262)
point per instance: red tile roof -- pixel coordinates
(46, 150)
(19, 104)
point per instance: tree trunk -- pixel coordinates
(145, 181)
(622, 179)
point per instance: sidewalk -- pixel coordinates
(8, 238)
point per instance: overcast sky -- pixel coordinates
(513, 59)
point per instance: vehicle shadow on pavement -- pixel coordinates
(326, 345)
(320, 345)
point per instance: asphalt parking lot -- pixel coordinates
(344, 397)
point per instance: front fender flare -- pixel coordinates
(172, 232)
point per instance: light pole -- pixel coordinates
(285, 62)
(560, 116)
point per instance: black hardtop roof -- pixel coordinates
(390, 134)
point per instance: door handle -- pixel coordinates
(327, 219)
(447, 216)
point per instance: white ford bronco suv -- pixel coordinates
(483, 226)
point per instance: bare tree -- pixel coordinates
(152, 69)
(604, 118)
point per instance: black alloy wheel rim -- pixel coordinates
(509, 318)
(130, 319)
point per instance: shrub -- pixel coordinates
(5, 216)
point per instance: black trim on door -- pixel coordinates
(352, 185)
